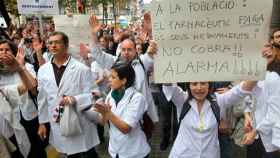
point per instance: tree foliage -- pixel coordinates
(11, 6)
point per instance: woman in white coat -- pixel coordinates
(266, 111)
(198, 132)
(124, 108)
(13, 72)
(15, 81)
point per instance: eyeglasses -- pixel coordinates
(58, 42)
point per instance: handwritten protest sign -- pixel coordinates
(210, 40)
(35, 6)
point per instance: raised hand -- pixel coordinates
(37, 46)
(116, 35)
(147, 25)
(84, 51)
(152, 49)
(94, 23)
(20, 56)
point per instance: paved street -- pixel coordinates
(156, 153)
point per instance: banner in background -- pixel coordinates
(38, 6)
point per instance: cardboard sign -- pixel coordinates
(210, 40)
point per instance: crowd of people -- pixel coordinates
(52, 95)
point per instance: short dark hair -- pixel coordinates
(65, 38)
(11, 44)
(125, 71)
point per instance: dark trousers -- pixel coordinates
(272, 155)
(144, 157)
(17, 153)
(100, 131)
(89, 154)
(257, 150)
(165, 113)
(37, 147)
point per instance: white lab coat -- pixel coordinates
(9, 121)
(107, 60)
(198, 133)
(130, 109)
(148, 62)
(27, 108)
(98, 73)
(76, 81)
(267, 110)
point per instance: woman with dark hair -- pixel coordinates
(16, 71)
(124, 108)
(263, 136)
(198, 111)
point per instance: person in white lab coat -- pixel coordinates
(128, 53)
(66, 82)
(263, 132)
(198, 132)
(124, 108)
(10, 127)
(26, 110)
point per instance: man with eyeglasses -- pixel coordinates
(64, 81)
(127, 53)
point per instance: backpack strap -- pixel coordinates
(185, 109)
(33, 98)
(215, 108)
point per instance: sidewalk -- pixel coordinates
(155, 151)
